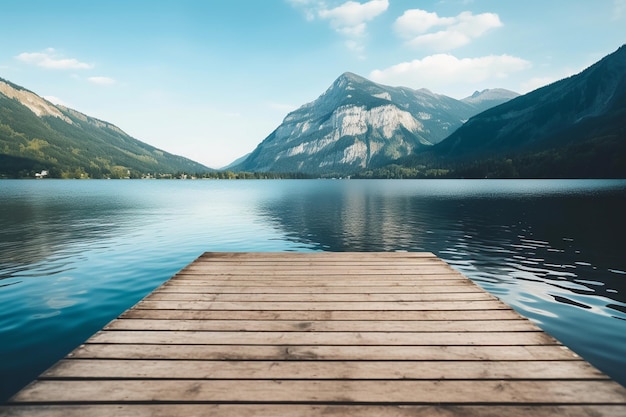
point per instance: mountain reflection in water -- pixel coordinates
(553, 250)
(75, 254)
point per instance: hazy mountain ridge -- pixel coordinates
(575, 127)
(356, 124)
(587, 105)
(37, 135)
(489, 98)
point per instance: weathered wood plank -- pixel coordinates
(313, 338)
(314, 353)
(321, 262)
(309, 298)
(371, 370)
(306, 272)
(343, 391)
(389, 266)
(337, 334)
(171, 288)
(183, 314)
(330, 281)
(290, 410)
(323, 306)
(317, 256)
(325, 326)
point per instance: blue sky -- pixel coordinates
(210, 79)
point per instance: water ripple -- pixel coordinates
(74, 254)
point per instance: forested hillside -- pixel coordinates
(36, 135)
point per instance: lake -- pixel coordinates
(76, 254)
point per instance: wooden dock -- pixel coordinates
(312, 334)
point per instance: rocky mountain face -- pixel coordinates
(36, 135)
(358, 124)
(580, 119)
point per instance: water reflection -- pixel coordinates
(44, 224)
(59, 279)
(552, 250)
(75, 254)
(571, 241)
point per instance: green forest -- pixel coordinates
(77, 147)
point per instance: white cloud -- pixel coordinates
(51, 60)
(440, 41)
(415, 26)
(353, 31)
(416, 21)
(353, 14)
(348, 19)
(619, 9)
(101, 80)
(355, 46)
(446, 73)
(310, 7)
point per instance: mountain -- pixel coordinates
(358, 124)
(486, 99)
(575, 127)
(235, 162)
(37, 135)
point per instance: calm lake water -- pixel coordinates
(75, 254)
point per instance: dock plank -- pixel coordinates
(324, 305)
(329, 281)
(316, 298)
(325, 392)
(326, 352)
(324, 325)
(311, 289)
(370, 370)
(387, 315)
(310, 334)
(324, 338)
(290, 410)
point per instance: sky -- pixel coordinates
(210, 79)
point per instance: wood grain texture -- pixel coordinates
(313, 410)
(310, 334)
